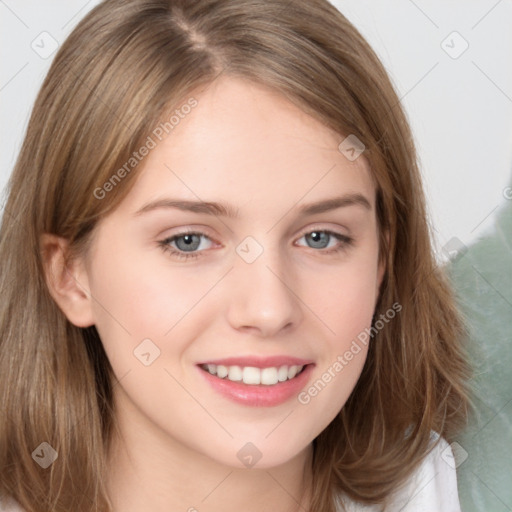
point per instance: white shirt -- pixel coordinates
(431, 488)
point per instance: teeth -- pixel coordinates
(292, 371)
(254, 376)
(251, 375)
(269, 376)
(222, 371)
(235, 373)
(282, 373)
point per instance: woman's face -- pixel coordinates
(271, 279)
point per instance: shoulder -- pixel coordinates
(9, 505)
(432, 487)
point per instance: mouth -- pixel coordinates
(257, 382)
(254, 376)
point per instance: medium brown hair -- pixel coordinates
(126, 64)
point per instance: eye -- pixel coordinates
(185, 245)
(189, 244)
(325, 239)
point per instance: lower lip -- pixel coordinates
(259, 395)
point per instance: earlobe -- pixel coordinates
(67, 280)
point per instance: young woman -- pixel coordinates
(219, 291)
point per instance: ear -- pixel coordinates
(67, 281)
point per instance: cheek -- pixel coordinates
(345, 303)
(345, 300)
(136, 300)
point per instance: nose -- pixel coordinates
(261, 296)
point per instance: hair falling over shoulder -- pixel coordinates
(126, 63)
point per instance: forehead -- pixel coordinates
(248, 145)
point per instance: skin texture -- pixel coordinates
(250, 147)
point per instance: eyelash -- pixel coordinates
(345, 240)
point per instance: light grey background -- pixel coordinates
(460, 108)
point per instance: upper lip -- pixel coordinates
(259, 362)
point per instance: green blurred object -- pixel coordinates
(482, 277)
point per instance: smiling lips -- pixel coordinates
(260, 382)
(252, 375)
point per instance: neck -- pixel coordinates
(149, 470)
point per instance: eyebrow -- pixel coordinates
(226, 210)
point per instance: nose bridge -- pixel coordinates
(261, 291)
